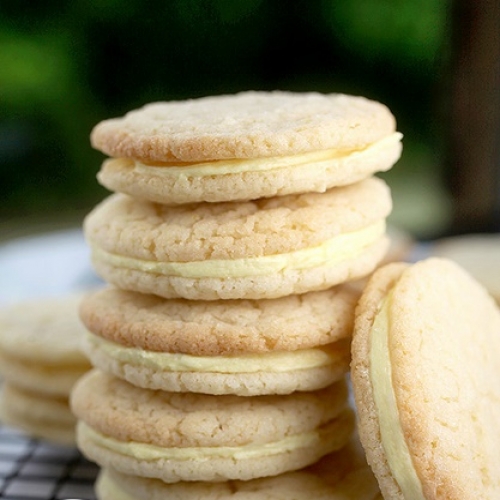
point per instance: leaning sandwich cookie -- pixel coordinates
(197, 437)
(266, 248)
(242, 347)
(425, 375)
(245, 146)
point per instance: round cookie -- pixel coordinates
(425, 377)
(245, 146)
(267, 248)
(342, 474)
(38, 415)
(479, 254)
(196, 437)
(247, 348)
(40, 345)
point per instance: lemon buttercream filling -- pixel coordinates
(105, 483)
(282, 361)
(313, 161)
(149, 452)
(331, 252)
(392, 436)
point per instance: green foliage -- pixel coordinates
(65, 65)
(407, 32)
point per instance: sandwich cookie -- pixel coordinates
(243, 347)
(340, 475)
(197, 437)
(40, 345)
(40, 360)
(425, 375)
(37, 415)
(245, 146)
(479, 254)
(267, 248)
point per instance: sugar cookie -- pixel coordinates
(425, 375)
(277, 346)
(197, 437)
(262, 249)
(40, 345)
(245, 146)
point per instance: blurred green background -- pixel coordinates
(67, 64)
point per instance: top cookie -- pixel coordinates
(43, 331)
(425, 375)
(245, 125)
(245, 146)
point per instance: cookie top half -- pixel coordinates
(129, 413)
(425, 375)
(220, 328)
(213, 231)
(245, 125)
(43, 331)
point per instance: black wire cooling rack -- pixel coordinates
(35, 470)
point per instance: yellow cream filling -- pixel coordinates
(331, 252)
(393, 440)
(105, 484)
(313, 161)
(149, 452)
(282, 361)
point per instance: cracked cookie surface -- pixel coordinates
(170, 436)
(262, 249)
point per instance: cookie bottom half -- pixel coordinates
(333, 477)
(287, 282)
(268, 373)
(37, 415)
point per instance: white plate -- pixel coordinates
(45, 265)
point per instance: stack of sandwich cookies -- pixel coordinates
(236, 222)
(304, 239)
(273, 411)
(40, 360)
